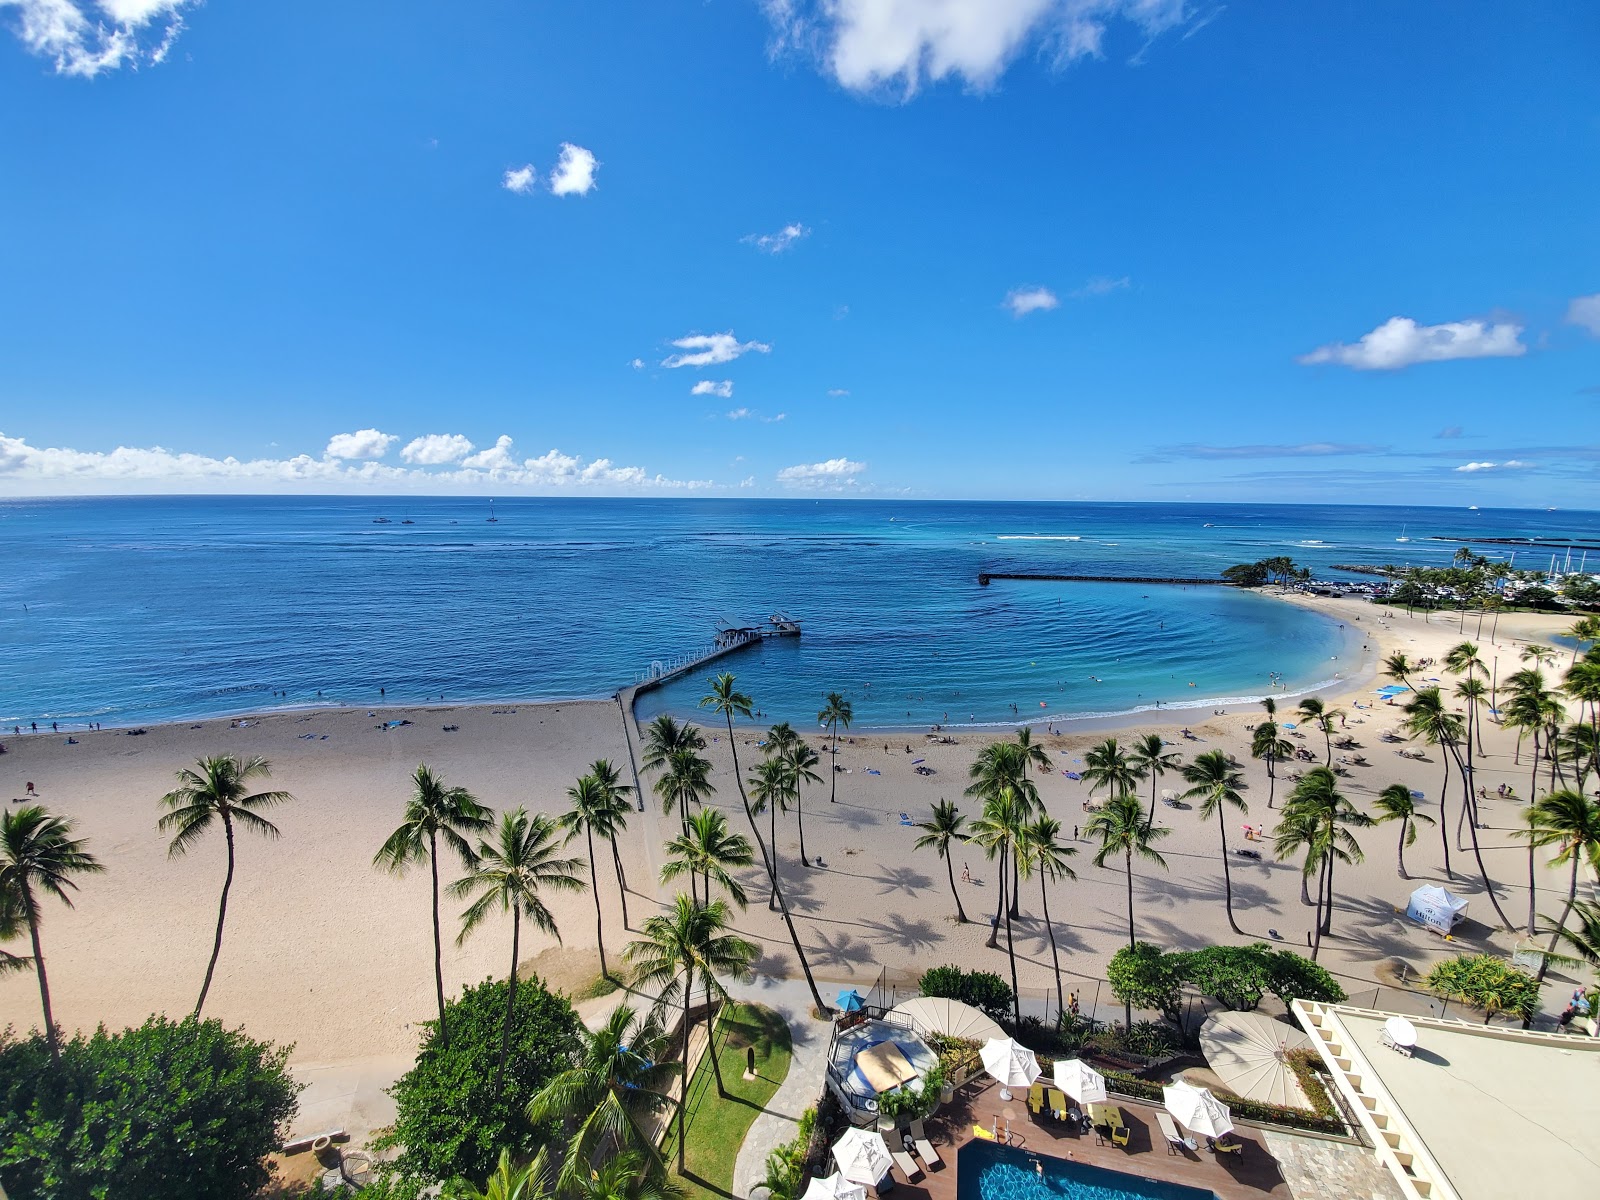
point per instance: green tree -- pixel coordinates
(685, 781)
(508, 873)
(665, 737)
(434, 812)
(1140, 974)
(1041, 853)
(594, 809)
(1323, 717)
(39, 857)
(452, 1117)
(627, 1176)
(1428, 719)
(1329, 816)
(1150, 759)
(616, 795)
(1395, 803)
(1215, 784)
(836, 711)
(1107, 765)
(530, 1181)
(1267, 743)
(218, 792)
(942, 834)
(984, 990)
(1001, 768)
(999, 832)
(770, 786)
(800, 759)
(710, 852)
(1567, 822)
(1484, 981)
(1585, 938)
(1120, 829)
(169, 1110)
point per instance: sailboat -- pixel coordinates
(1402, 537)
(492, 518)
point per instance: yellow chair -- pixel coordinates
(1058, 1102)
(1120, 1135)
(982, 1134)
(1228, 1148)
(1036, 1098)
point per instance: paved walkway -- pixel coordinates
(1318, 1170)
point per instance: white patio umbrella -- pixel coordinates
(1012, 1063)
(862, 1156)
(1249, 1051)
(1197, 1110)
(933, 1014)
(834, 1187)
(1080, 1081)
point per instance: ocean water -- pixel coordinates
(144, 609)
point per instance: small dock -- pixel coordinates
(985, 576)
(728, 640)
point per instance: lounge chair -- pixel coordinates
(907, 1164)
(1226, 1147)
(1120, 1135)
(1036, 1098)
(1058, 1103)
(926, 1150)
(1176, 1142)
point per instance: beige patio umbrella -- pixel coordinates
(1250, 1053)
(952, 1018)
(1197, 1110)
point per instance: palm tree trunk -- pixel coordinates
(1327, 740)
(44, 980)
(711, 1042)
(772, 824)
(1472, 826)
(800, 821)
(950, 869)
(1011, 953)
(1532, 887)
(1055, 960)
(1555, 938)
(1150, 821)
(1533, 780)
(1127, 864)
(1272, 782)
(222, 915)
(599, 923)
(1444, 819)
(1305, 891)
(1015, 908)
(622, 882)
(1400, 852)
(683, 1091)
(1327, 910)
(438, 947)
(511, 1000)
(833, 768)
(1000, 905)
(1227, 877)
(1316, 937)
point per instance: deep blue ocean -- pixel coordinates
(145, 609)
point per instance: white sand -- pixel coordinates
(327, 953)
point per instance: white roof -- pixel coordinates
(1430, 894)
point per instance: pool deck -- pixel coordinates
(1250, 1178)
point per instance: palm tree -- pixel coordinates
(800, 759)
(434, 811)
(709, 852)
(1539, 656)
(1040, 850)
(665, 737)
(1328, 816)
(627, 1176)
(727, 700)
(615, 794)
(1585, 939)
(38, 854)
(508, 873)
(618, 1081)
(1150, 759)
(1323, 717)
(1580, 746)
(1463, 659)
(10, 929)
(1033, 753)
(592, 811)
(1428, 719)
(769, 791)
(1108, 766)
(1002, 767)
(509, 1182)
(218, 791)
(1399, 668)
(1568, 822)
(685, 781)
(940, 835)
(1395, 802)
(1266, 743)
(1121, 829)
(1216, 786)
(1298, 830)
(836, 711)
(692, 941)
(999, 832)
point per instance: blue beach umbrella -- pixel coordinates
(850, 1000)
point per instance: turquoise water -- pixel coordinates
(990, 1172)
(164, 608)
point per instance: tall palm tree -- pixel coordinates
(1473, 693)
(665, 737)
(1569, 823)
(218, 791)
(1299, 831)
(1107, 765)
(435, 811)
(1120, 828)
(1585, 939)
(999, 832)
(685, 781)
(1582, 683)
(726, 700)
(1150, 759)
(627, 1176)
(1269, 744)
(591, 812)
(1327, 812)
(1215, 784)
(690, 943)
(800, 759)
(1041, 852)
(769, 791)
(530, 1181)
(1033, 753)
(1396, 803)
(941, 834)
(39, 857)
(1580, 746)
(1323, 717)
(1002, 767)
(1463, 659)
(616, 1084)
(1539, 656)
(1532, 708)
(10, 929)
(1428, 719)
(710, 853)
(615, 794)
(1399, 668)
(509, 873)
(836, 711)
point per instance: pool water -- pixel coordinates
(989, 1172)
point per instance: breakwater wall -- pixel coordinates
(985, 576)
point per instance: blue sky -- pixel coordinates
(1055, 249)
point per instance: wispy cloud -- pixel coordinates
(777, 243)
(831, 473)
(637, 364)
(1101, 285)
(87, 40)
(1401, 342)
(750, 414)
(1585, 313)
(838, 392)
(362, 444)
(1510, 464)
(519, 179)
(436, 449)
(574, 172)
(1024, 300)
(709, 387)
(1192, 450)
(1449, 432)
(711, 349)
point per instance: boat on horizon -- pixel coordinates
(1402, 537)
(492, 518)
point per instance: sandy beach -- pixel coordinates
(327, 953)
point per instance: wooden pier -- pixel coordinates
(985, 576)
(727, 642)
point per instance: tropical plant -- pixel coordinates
(39, 857)
(627, 1176)
(1585, 938)
(1150, 759)
(218, 791)
(770, 786)
(836, 711)
(434, 812)
(1033, 753)
(1319, 714)
(1317, 812)
(1215, 784)
(1107, 765)
(709, 852)
(1120, 828)
(684, 781)
(665, 737)
(1002, 768)
(1567, 822)
(591, 811)
(10, 929)
(800, 759)
(1428, 719)
(1269, 744)
(1396, 803)
(615, 796)
(617, 1083)
(1486, 982)
(510, 1181)
(999, 832)
(1140, 974)
(941, 834)
(1398, 668)
(983, 990)
(1039, 851)
(509, 873)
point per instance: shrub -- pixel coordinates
(1124, 1084)
(1234, 975)
(1147, 1039)
(1141, 975)
(448, 1122)
(981, 989)
(1237, 976)
(1486, 982)
(1307, 1068)
(181, 1109)
(1291, 977)
(786, 1165)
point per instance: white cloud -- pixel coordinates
(1401, 342)
(711, 349)
(838, 391)
(749, 481)
(497, 457)
(436, 449)
(519, 179)
(1102, 285)
(1022, 301)
(707, 387)
(363, 443)
(870, 44)
(777, 243)
(833, 473)
(1511, 464)
(773, 420)
(1585, 312)
(574, 172)
(636, 363)
(86, 39)
(739, 414)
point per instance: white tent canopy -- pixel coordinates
(862, 1156)
(1436, 908)
(1197, 1110)
(834, 1187)
(951, 1018)
(1080, 1081)
(1249, 1053)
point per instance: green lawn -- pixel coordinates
(717, 1124)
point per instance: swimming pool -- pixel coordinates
(989, 1172)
